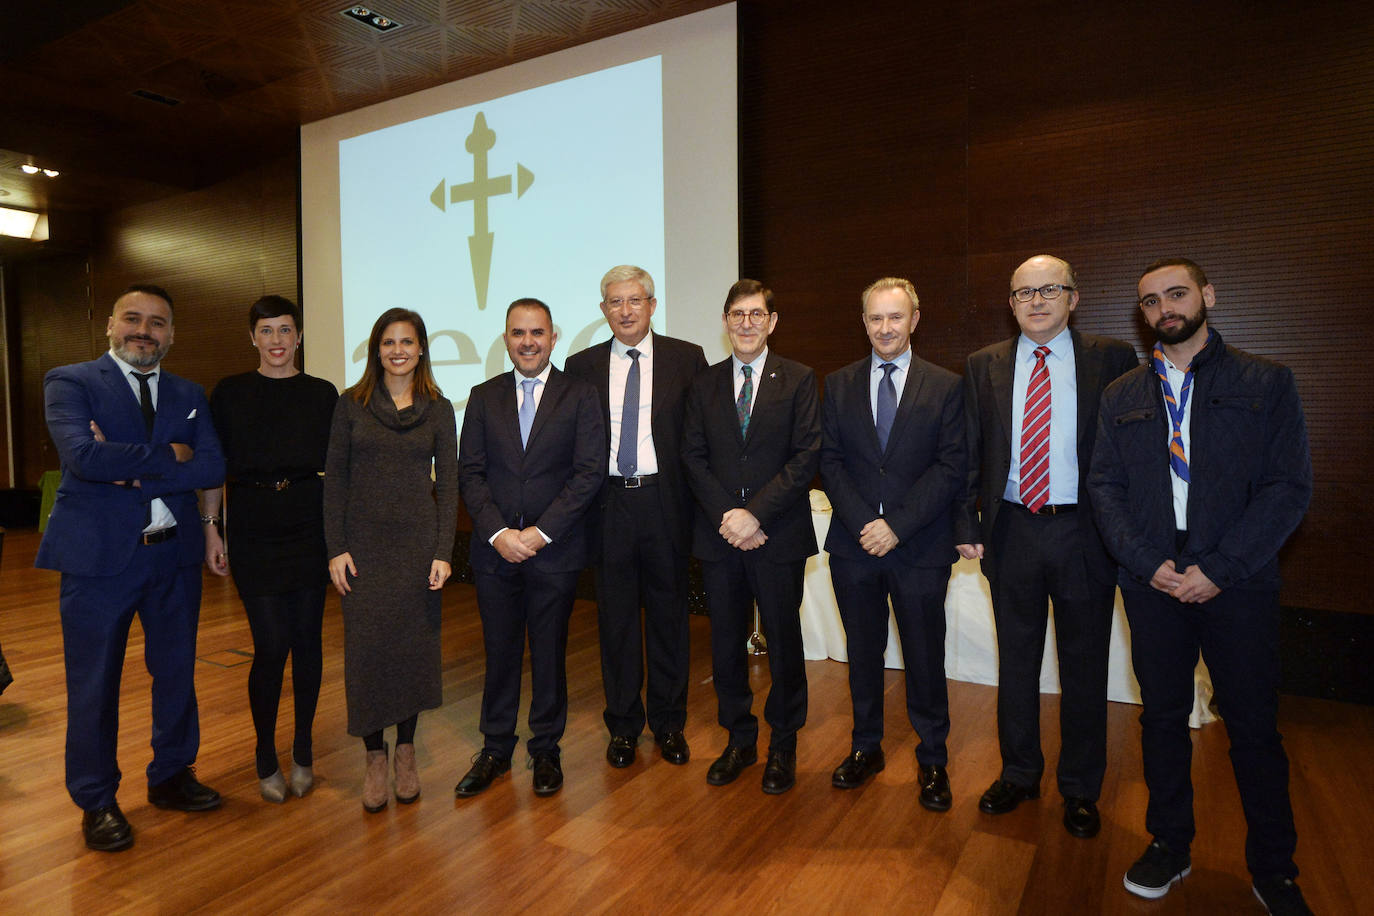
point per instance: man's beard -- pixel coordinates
(137, 358)
(1182, 332)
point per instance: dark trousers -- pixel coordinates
(1041, 559)
(96, 614)
(282, 625)
(1238, 635)
(512, 602)
(733, 585)
(862, 590)
(639, 567)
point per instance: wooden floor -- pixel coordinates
(650, 838)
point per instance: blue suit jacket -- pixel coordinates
(95, 524)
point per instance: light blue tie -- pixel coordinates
(527, 410)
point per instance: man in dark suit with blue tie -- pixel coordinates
(641, 524)
(750, 448)
(1031, 407)
(530, 463)
(892, 462)
(136, 442)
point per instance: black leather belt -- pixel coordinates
(158, 536)
(276, 483)
(1048, 510)
(633, 483)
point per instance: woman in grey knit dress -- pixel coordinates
(389, 532)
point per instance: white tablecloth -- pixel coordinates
(970, 636)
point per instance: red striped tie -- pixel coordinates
(1035, 436)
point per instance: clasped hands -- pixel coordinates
(741, 529)
(1190, 586)
(518, 546)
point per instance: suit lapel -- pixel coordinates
(508, 408)
(763, 393)
(121, 389)
(860, 405)
(1087, 369)
(915, 378)
(1001, 376)
(554, 389)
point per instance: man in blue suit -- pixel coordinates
(136, 442)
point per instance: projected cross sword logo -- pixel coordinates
(480, 190)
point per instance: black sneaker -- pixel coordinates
(1281, 897)
(1157, 870)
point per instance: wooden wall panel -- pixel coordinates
(215, 251)
(948, 142)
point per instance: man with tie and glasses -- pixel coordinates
(1200, 473)
(1031, 410)
(750, 449)
(641, 525)
(892, 462)
(529, 466)
(136, 442)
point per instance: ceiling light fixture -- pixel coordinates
(370, 18)
(28, 168)
(17, 223)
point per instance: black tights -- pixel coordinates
(284, 624)
(405, 734)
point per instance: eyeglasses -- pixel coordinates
(1047, 292)
(754, 316)
(634, 302)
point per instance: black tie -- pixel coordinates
(145, 404)
(145, 400)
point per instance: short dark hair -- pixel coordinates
(1193, 269)
(150, 289)
(273, 307)
(744, 288)
(529, 302)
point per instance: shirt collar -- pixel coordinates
(126, 368)
(902, 362)
(543, 377)
(756, 365)
(1060, 346)
(645, 346)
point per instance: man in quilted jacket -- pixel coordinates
(1200, 473)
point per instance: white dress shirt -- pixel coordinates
(162, 517)
(646, 459)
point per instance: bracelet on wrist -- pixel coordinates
(209, 519)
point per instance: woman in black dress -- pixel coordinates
(391, 505)
(274, 426)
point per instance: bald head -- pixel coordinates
(1043, 294)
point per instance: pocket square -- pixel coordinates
(192, 414)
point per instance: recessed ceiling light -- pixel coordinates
(29, 168)
(370, 18)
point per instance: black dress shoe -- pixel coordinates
(106, 829)
(780, 774)
(183, 792)
(856, 768)
(548, 774)
(1081, 818)
(620, 753)
(935, 794)
(1002, 797)
(674, 747)
(730, 764)
(486, 766)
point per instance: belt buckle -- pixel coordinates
(282, 484)
(633, 483)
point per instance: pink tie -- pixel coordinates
(1035, 436)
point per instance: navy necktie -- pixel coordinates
(887, 404)
(627, 454)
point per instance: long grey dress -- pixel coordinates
(381, 506)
